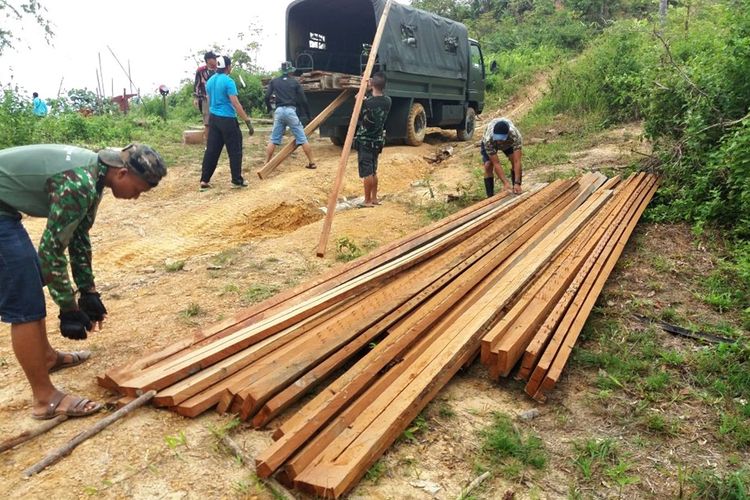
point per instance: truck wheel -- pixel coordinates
(416, 125)
(466, 133)
(337, 141)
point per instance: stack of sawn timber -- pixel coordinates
(542, 327)
(404, 320)
(325, 80)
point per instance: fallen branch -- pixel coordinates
(68, 447)
(473, 485)
(31, 434)
(270, 483)
(683, 332)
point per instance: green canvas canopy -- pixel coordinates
(333, 33)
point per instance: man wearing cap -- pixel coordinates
(223, 129)
(501, 135)
(287, 94)
(64, 184)
(202, 74)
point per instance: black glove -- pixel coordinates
(91, 304)
(250, 129)
(75, 324)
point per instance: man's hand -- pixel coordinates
(75, 325)
(250, 129)
(91, 304)
(517, 188)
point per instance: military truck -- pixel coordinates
(435, 73)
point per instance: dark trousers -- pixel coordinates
(223, 131)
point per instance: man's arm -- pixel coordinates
(302, 100)
(71, 194)
(267, 98)
(80, 253)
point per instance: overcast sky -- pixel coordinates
(155, 36)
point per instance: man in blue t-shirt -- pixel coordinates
(223, 129)
(40, 107)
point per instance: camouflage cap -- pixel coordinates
(139, 159)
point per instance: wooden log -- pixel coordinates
(309, 129)
(32, 433)
(333, 197)
(68, 447)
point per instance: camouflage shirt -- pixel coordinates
(372, 120)
(514, 140)
(63, 184)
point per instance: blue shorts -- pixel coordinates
(283, 117)
(21, 284)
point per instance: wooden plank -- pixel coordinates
(543, 199)
(301, 426)
(403, 400)
(544, 377)
(208, 355)
(534, 349)
(333, 197)
(509, 338)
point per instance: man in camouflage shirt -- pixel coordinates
(370, 137)
(501, 135)
(65, 185)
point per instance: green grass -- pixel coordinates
(593, 456)
(708, 485)
(347, 250)
(259, 292)
(418, 427)
(192, 311)
(375, 472)
(508, 450)
(174, 266)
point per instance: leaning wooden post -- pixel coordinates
(350, 133)
(311, 127)
(65, 449)
(31, 434)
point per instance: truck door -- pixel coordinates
(476, 75)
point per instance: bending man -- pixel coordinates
(64, 184)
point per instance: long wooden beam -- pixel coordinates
(333, 197)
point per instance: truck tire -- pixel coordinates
(338, 141)
(466, 133)
(416, 125)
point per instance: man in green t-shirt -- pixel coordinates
(64, 184)
(370, 137)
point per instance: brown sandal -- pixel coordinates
(311, 166)
(78, 357)
(76, 409)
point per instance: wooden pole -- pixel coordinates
(311, 127)
(65, 449)
(31, 434)
(101, 74)
(350, 133)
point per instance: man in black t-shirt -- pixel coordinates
(287, 95)
(202, 74)
(370, 137)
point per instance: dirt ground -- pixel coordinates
(242, 245)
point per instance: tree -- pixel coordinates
(17, 10)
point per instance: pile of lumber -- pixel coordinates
(543, 325)
(388, 331)
(325, 80)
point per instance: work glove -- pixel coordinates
(250, 129)
(91, 304)
(75, 324)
